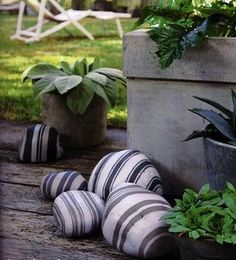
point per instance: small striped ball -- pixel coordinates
(131, 222)
(78, 213)
(53, 184)
(124, 166)
(40, 143)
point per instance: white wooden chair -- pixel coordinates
(63, 19)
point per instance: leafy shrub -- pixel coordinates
(208, 214)
(221, 127)
(79, 82)
(178, 25)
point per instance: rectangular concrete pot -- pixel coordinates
(158, 103)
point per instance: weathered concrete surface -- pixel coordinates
(77, 131)
(210, 63)
(158, 116)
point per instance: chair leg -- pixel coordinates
(119, 27)
(19, 20)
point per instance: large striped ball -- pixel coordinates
(124, 166)
(40, 143)
(78, 213)
(53, 184)
(131, 222)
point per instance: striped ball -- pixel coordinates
(53, 184)
(131, 222)
(124, 166)
(40, 143)
(78, 213)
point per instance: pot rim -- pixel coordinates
(220, 143)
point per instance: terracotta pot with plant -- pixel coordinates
(219, 141)
(204, 223)
(75, 98)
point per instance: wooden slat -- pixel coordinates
(32, 174)
(24, 198)
(25, 235)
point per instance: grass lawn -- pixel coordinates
(16, 98)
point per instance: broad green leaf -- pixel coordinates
(230, 186)
(179, 229)
(115, 73)
(65, 83)
(101, 93)
(44, 85)
(66, 67)
(217, 120)
(79, 99)
(41, 70)
(95, 64)
(194, 234)
(112, 91)
(204, 189)
(97, 78)
(218, 106)
(79, 68)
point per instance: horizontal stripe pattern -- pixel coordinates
(124, 166)
(131, 222)
(78, 213)
(40, 143)
(53, 184)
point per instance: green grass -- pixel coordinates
(16, 98)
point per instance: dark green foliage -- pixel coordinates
(222, 127)
(208, 214)
(179, 25)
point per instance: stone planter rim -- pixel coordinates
(219, 143)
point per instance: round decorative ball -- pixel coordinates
(78, 213)
(124, 166)
(131, 222)
(53, 184)
(40, 143)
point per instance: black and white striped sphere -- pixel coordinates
(78, 213)
(40, 143)
(53, 184)
(131, 222)
(124, 166)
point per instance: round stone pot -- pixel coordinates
(221, 163)
(77, 131)
(204, 249)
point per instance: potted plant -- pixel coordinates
(219, 141)
(177, 26)
(188, 48)
(205, 223)
(75, 98)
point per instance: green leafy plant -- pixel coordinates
(178, 25)
(222, 127)
(208, 214)
(79, 82)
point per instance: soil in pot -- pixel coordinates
(77, 131)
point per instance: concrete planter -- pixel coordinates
(77, 131)
(158, 102)
(221, 163)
